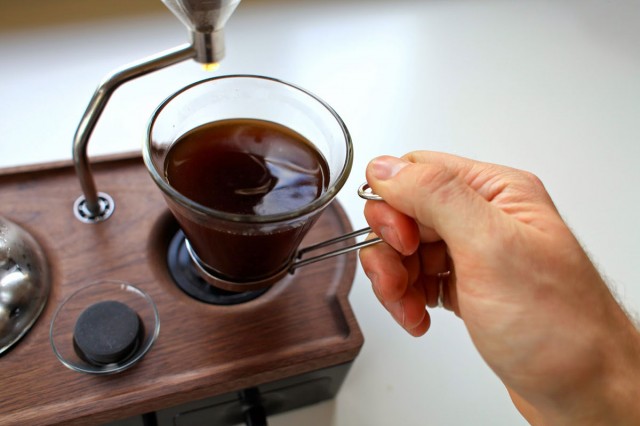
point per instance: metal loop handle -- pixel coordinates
(357, 246)
(365, 192)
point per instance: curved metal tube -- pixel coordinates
(97, 105)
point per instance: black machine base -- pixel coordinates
(186, 277)
(235, 408)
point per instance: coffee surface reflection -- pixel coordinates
(248, 167)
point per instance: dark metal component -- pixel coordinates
(149, 419)
(189, 280)
(254, 412)
(276, 397)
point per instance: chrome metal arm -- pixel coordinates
(90, 208)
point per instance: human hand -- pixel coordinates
(534, 305)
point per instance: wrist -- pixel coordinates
(609, 391)
(623, 373)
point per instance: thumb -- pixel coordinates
(435, 193)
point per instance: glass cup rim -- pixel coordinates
(315, 205)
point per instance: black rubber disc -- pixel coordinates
(107, 332)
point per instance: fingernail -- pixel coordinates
(396, 309)
(390, 236)
(386, 167)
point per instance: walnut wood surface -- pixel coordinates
(301, 324)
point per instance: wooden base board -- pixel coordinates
(303, 323)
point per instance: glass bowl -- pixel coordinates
(66, 316)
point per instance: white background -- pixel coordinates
(552, 87)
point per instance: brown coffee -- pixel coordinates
(247, 167)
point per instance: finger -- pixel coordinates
(452, 289)
(414, 299)
(385, 268)
(433, 261)
(421, 328)
(449, 294)
(409, 311)
(433, 258)
(439, 291)
(431, 287)
(396, 229)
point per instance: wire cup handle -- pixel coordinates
(364, 192)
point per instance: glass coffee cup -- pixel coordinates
(246, 165)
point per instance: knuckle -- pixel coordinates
(533, 185)
(532, 180)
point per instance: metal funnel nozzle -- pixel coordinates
(205, 19)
